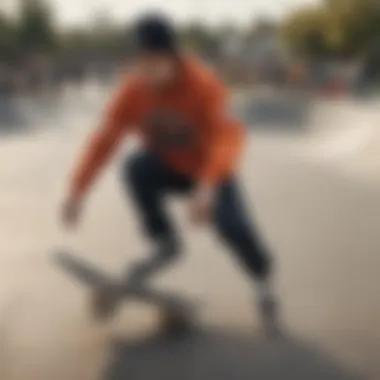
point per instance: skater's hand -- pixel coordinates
(201, 205)
(71, 212)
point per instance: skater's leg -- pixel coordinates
(149, 182)
(237, 230)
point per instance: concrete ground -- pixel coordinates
(315, 196)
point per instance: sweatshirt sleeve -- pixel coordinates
(224, 138)
(119, 117)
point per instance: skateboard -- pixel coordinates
(177, 313)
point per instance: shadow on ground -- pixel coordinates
(217, 355)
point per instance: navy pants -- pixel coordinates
(150, 182)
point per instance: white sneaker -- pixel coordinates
(269, 309)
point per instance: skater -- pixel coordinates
(190, 146)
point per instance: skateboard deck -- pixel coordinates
(93, 277)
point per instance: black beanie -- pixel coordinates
(155, 33)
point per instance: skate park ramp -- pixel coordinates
(315, 195)
(273, 109)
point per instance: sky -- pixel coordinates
(77, 12)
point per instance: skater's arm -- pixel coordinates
(119, 117)
(225, 138)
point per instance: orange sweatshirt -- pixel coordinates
(187, 125)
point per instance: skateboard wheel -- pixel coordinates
(175, 321)
(103, 304)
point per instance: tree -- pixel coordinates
(36, 31)
(260, 29)
(304, 32)
(7, 39)
(338, 27)
(200, 38)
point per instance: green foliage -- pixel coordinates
(337, 28)
(7, 38)
(35, 31)
(259, 29)
(200, 38)
(347, 28)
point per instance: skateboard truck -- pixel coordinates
(108, 292)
